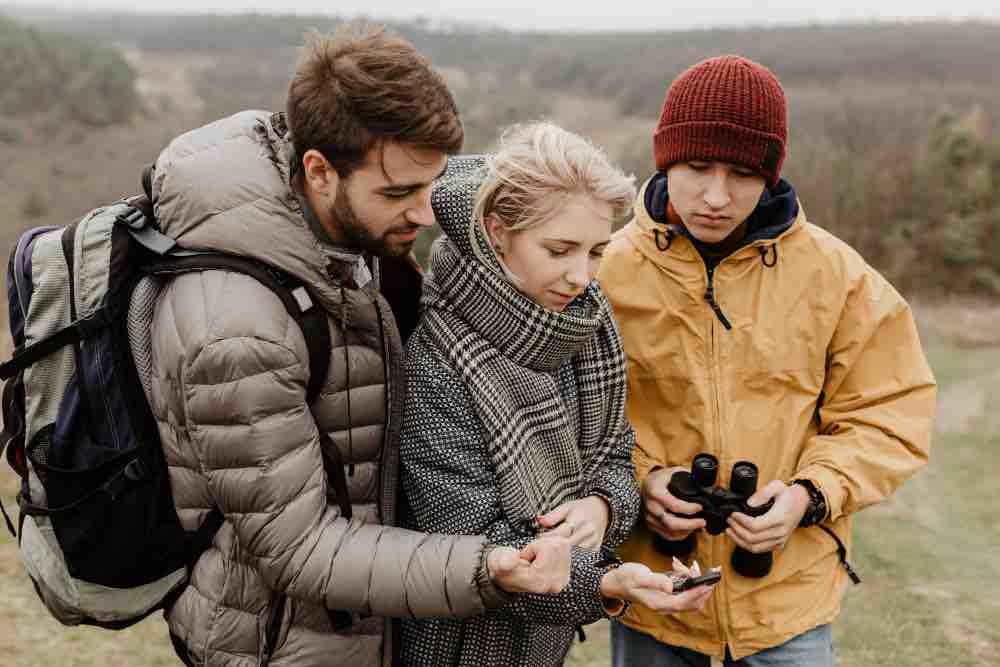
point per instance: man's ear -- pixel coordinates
(319, 175)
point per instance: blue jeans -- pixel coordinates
(631, 648)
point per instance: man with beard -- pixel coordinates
(320, 192)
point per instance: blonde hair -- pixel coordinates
(537, 167)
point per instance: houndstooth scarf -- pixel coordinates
(507, 349)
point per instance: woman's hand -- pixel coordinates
(583, 522)
(637, 583)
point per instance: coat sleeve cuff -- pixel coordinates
(826, 482)
(492, 595)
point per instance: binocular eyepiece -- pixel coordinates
(699, 486)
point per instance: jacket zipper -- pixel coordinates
(710, 298)
(716, 542)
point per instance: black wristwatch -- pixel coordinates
(816, 510)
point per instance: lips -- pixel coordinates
(407, 234)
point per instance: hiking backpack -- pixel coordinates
(98, 531)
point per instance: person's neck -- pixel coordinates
(311, 205)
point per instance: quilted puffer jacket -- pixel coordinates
(227, 387)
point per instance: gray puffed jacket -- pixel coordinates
(228, 375)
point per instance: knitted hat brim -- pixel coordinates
(719, 141)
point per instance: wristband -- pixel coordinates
(816, 510)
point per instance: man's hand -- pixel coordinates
(637, 583)
(770, 532)
(583, 522)
(662, 507)
(540, 567)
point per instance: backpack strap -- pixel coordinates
(81, 329)
(147, 180)
(295, 296)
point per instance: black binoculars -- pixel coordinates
(717, 503)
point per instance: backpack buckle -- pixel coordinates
(91, 324)
(134, 219)
(136, 470)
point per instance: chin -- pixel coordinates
(395, 251)
(714, 236)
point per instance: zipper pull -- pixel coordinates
(710, 298)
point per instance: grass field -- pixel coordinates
(930, 556)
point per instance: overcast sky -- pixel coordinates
(576, 14)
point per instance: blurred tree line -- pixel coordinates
(893, 126)
(60, 78)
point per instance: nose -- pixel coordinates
(717, 189)
(421, 213)
(578, 274)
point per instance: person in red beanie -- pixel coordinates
(752, 335)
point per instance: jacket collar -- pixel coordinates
(227, 186)
(778, 214)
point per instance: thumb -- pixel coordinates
(763, 495)
(555, 517)
(505, 559)
(663, 583)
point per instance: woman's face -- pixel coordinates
(553, 262)
(713, 198)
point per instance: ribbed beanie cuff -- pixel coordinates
(724, 109)
(720, 142)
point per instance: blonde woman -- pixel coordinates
(515, 421)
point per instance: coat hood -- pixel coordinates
(226, 187)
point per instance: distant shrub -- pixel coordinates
(40, 70)
(10, 133)
(35, 206)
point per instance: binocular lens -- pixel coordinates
(744, 478)
(705, 469)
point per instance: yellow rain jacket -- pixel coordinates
(821, 377)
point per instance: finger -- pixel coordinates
(760, 523)
(757, 546)
(556, 516)
(657, 581)
(754, 535)
(670, 535)
(654, 508)
(584, 535)
(660, 494)
(563, 530)
(678, 524)
(771, 490)
(686, 601)
(678, 506)
(505, 561)
(738, 538)
(754, 541)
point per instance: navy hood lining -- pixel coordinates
(774, 214)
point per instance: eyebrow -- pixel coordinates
(574, 243)
(411, 186)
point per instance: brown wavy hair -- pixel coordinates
(356, 88)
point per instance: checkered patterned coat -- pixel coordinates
(511, 411)
(451, 488)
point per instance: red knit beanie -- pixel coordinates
(724, 109)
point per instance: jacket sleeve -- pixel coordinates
(876, 412)
(451, 488)
(243, 372)
(616, 483)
